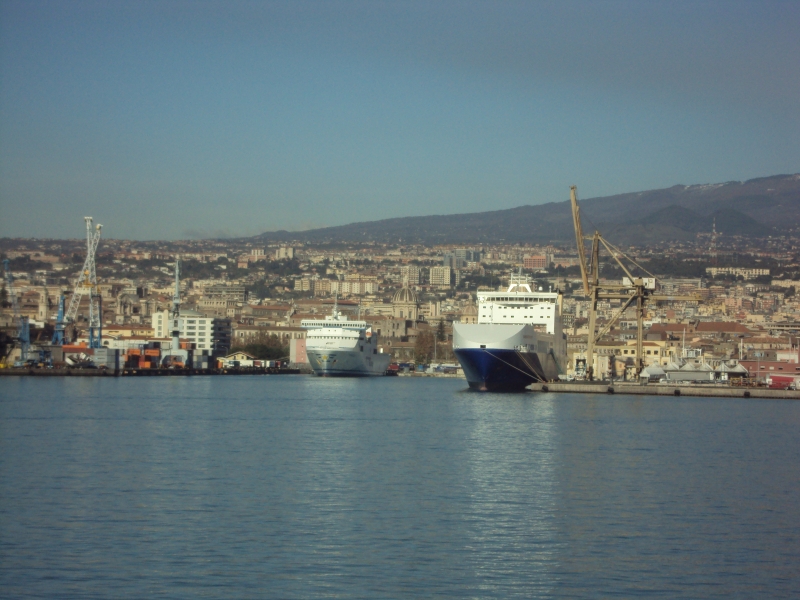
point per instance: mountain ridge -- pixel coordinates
(756, 207)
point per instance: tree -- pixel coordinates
(441, 335)
(423, 351)
(263, 346)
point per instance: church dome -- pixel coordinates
(404, 295)
(470, 310)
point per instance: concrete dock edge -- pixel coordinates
(700, 391)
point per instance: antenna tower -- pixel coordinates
(713, 248)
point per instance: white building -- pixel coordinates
(284, 252)
(192, 326)
(410, 274)
(441, 276)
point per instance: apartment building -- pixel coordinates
(441, 277)
(206, 333)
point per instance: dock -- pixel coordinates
(72, 372)
(699, 391)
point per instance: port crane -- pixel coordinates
(177, 357)
(21, 324)
(633, 291)
(58, 333)
(87, 286)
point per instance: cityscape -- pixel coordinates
(252, 297)
(405, 299)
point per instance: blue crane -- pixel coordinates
(23, 333)
(58, 334)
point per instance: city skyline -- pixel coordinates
(179, 120)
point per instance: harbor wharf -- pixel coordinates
(36, 372)
(701, 391)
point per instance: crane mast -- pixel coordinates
(176, 308)
(22, 325)
(87, 286)
(177, 356)
(58, 333)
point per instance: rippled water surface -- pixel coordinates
(299, 487)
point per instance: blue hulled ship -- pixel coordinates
(517, 340)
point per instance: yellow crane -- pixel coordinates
(638, 290)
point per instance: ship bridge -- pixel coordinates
(520, 305)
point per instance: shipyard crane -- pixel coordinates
(177, 356)
(58, 333)
(21, 324)
(633, 290)
(87, 286)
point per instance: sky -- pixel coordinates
(195, 119)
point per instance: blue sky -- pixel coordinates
(170, 120)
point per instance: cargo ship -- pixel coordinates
(339, 347)
(518, 339)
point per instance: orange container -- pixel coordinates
(152, 352)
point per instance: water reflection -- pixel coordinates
(510, 508)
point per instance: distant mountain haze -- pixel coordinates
(757, 208)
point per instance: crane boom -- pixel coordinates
(576, 219)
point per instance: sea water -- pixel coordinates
(302, 487)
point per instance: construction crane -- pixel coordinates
(637, 291)
(176, 307)
(58, 333)
(177, 357)
(21, 324)
(87, 286)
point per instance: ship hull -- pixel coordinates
(347, 363)
(503, 358)
(497, 370)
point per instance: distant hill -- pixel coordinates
(758, 207)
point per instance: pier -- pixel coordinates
(701, 391)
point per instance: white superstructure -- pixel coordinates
(519, 304)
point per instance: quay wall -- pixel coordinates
(447, 375)
(36, 372)
(702, 391)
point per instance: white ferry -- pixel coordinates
(518, 339)
(338, 347)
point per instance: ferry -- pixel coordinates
(518, 339)
(339, 347)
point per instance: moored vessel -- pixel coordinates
(339, 347)
(518, 339)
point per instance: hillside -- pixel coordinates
(758, 207)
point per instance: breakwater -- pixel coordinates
(709, 391)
